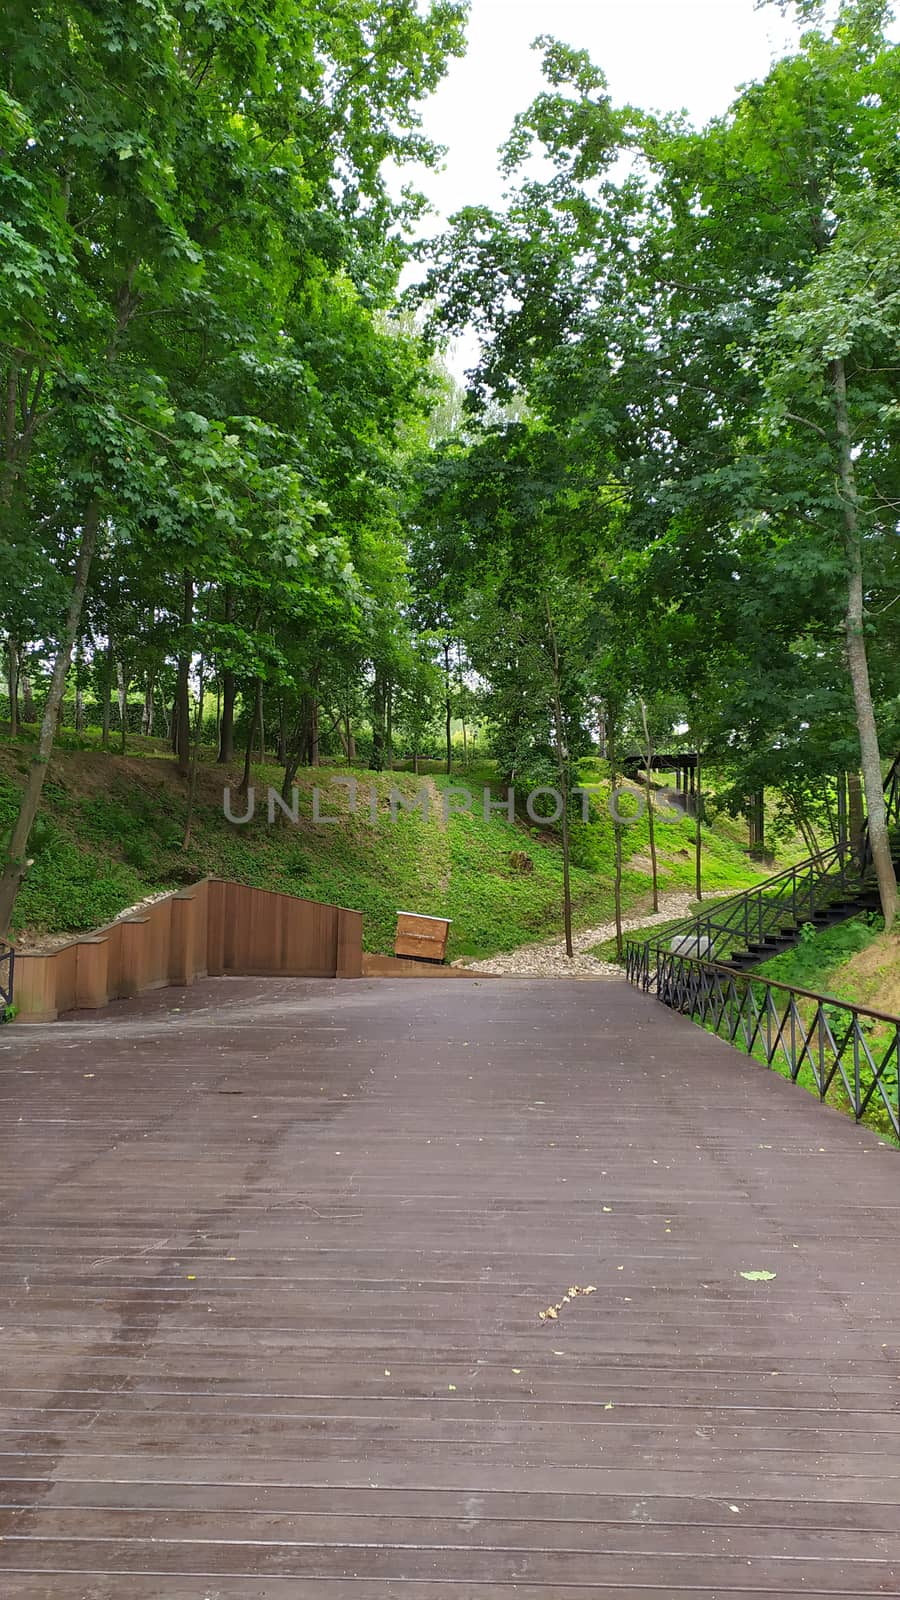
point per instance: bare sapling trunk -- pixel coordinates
(617, 833)
(377, 761)
(648, 792)
(122, 697)
(229, 689)
(698, 832)
(459, 664)
(29, 709)
(147, 711)
(251, 737)
(562, 759)
(314, 733)
(195, 762)
(448, 711)
(182, 733)
(856, 820)
(16, 865)
(857, 658)
(13, 678)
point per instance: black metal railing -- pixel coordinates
(7, 968)
(823, 1043)
(761, 915)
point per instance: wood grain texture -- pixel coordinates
(215, 927)
(271, 1262)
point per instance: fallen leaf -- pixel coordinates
(758, 1277)
(517, 1371)
(451, 1388)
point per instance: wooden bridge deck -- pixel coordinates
(272, 1265)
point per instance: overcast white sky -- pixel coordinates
(662, 55)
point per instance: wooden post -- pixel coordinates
(92, 972)
(215, 928)
(135, 950)
(184, 927)
(349, 944)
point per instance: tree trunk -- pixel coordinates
(447, 708)
(648, 791)
(855, 812)
(195, 762)
(13, 678)
(389, 724)
(314, 733)
(610, 743)
(251, 737)
(226, 726)
(857, 659)
(562, 760)
(261, 720)
(29, 709)
(182, 717)
(105, 691)
(377, 761)
(147, 711)
(122, 697)
(462, 702)
(15, 865)
(842, 809)
(698, 833)
(349, 740)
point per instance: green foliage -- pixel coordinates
(116, 839)
(813, 960)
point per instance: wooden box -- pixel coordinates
(422, 938)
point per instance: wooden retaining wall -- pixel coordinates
(215, 928)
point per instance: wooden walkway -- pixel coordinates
(272, 1264)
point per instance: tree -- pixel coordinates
(181, 187)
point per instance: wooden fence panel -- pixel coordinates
(215, 927)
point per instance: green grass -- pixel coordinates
(815, 962)
(819, 963)
(115, 829)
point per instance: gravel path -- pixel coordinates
(550, 960)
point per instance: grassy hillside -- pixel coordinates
(854, 961)
(113, 831)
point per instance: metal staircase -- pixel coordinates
(703, 968)
(752, 926)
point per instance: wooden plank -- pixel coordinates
(214, 928)
(270, 1315)
(421, 937)
(349, 956)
